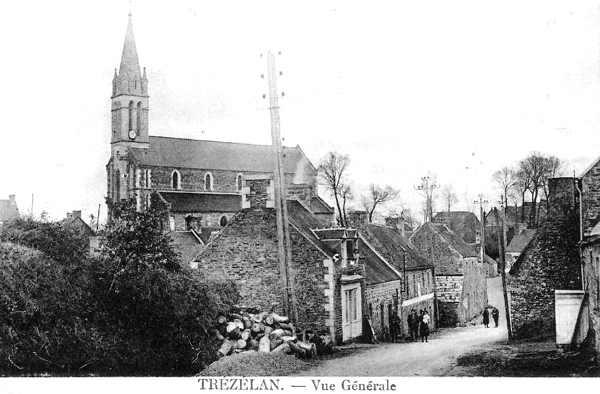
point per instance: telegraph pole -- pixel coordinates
(503, 273)
(283, 231)
(428, 188)
(482, 203)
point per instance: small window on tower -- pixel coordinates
(238, 182)
(176, 180)
(208, 181)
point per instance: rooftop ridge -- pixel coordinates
(220, 142)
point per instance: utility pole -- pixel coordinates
(283, 231)
(428, 188)
(482, 203)
(503, 271)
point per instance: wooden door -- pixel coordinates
(351, 311)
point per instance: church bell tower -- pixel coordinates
(130, 100)
(129, 122)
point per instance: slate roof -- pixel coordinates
(452, 239)
(8, 211)
(216, 155)
(182, 202)
(393, 247)
(520, 241)
(186, 244)
(318, 205)
(458, 221)
(376, 270)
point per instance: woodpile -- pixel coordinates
(262, 332)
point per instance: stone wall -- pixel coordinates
(591, 258)
(246, 251)
(591, 196)
(446, 258)
(381, 294)
(551, 262)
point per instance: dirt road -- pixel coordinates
(435, 358)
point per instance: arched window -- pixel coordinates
(223, 221)
(208, 181)
(117, 185)
(238, 183)
(176, 180)
(139, 116)
(130, 115)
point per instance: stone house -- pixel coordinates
(550, 261)
(75, 222)
(517, 245)
(589, 188)
(460, 276)
(463, 223)
(416, 272)
(333, 272)
(8, 210)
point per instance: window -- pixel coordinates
(130, 115)
(171, 223)
(176, 180)
(208, 181)
(117, 185)
(138, 115)
(147, 201)
(598, 281)
(238, 183)
(148, 178)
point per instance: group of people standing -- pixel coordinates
(486, 316)
(418, 325)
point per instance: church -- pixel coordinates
(201, 181)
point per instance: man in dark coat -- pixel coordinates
(495, 316)
(413, 324)
(486, 318)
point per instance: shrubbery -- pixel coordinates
(133, 310)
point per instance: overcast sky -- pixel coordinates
(458, 89)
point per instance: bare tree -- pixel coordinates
(331, 170)
(346, 194)
(449, 196)
(537, 168)
(554, 167)
(523, 185)
(506, 179)
(378, 196)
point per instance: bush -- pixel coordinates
(44, 314)
(133, 311)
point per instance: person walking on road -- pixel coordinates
(486, 317)
(424, 325)
(495, 316)
(413, 325)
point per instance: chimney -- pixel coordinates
(401, 225)
(77, 214)
(561, 193)
(259, 192)
(358, 219)
(13, 199)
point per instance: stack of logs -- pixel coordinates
(262, 332)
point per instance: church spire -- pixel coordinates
(130, 66)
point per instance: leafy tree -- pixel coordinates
(332, 169)
(155, 313)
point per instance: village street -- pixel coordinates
(434, 358)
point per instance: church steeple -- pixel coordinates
(130, 65)
(130, 104)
